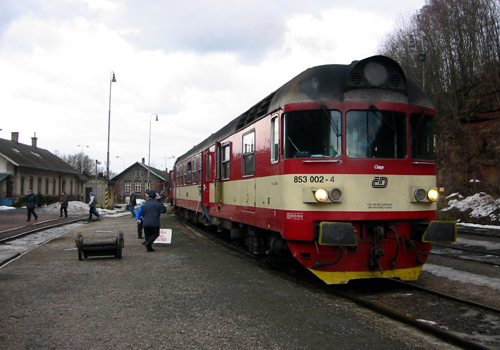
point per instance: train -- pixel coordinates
(334, 171)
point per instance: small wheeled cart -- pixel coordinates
(101, 243)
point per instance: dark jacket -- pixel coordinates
(151, 211)
(64, 201)
(31, 201)
(133, 200)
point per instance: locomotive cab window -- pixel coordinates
(225, 160)
(376, 134)
(422, 136)
(275, 139)
(313, 134)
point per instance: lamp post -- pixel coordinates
(123, 161)
(149, 153)
(421, 56)
(111, 80)
(82, 156)
(119, 183)
(96, 188)
(167, 158)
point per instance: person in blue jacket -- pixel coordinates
(138, 218)
(151, 211)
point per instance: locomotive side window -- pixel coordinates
(249, 154)
(422, 136)
(226, 161)
(195, 171)
(313, 134)
(207, 167)
(376, 134)
(275, 139)
(200, 176)
(188, 173)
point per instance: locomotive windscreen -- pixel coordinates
(376, 134)
(313, 134)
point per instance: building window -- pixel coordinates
(128, 186)
(249, 154)
(226, 161)
(31, 183)
(63, 186)
(46, 185)
(53, 186)
(138, 187)
(22, 185)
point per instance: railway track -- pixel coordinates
(476, 245)
(457, 321)
(19, 232)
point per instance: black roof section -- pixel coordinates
(26, 156)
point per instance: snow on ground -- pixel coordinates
(481, 205)
(75, 207)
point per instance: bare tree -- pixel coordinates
(450, 47)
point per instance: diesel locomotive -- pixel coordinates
(334, 170)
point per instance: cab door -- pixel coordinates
(206, 177)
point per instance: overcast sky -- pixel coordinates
(196, 63)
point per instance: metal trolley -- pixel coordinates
(101, 243)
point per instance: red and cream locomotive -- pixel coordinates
(335, 170)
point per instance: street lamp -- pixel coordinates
(111, 80)
(149, 154)
(96, 188)
(167, 158)
(82, 156)
(123, 161)
(421, 56)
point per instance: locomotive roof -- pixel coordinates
(327, 83)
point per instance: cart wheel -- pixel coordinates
(118, 252)
(80, 254)
(121, 240)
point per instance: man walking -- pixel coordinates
(31, 202)
(151, 211)
(92, 206)
(132, 203)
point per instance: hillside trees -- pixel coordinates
(452, 49)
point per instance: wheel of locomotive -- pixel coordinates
(292, 264)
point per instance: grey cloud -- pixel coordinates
(248, 28)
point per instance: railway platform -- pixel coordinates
(190, 294)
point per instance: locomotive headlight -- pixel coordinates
(433, 195)
(420, 195)
(423, 195)
(321, 195)
(335, 195)
(375, 74)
